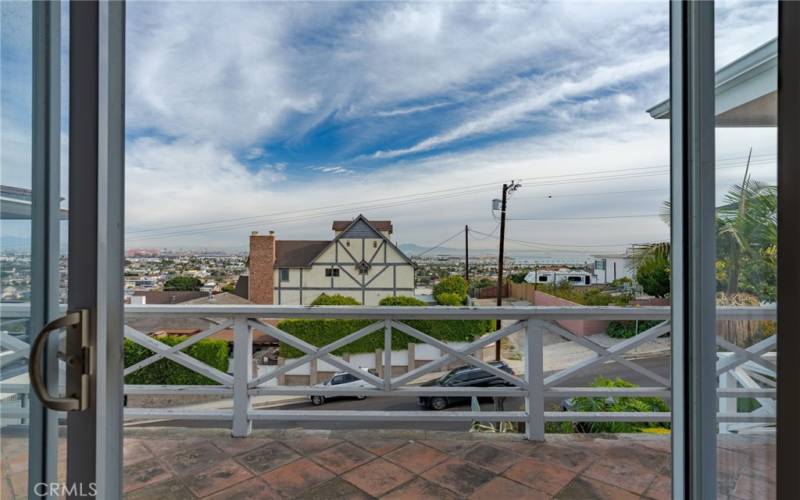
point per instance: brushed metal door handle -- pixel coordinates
(78, 364)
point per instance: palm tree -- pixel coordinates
(747, 228)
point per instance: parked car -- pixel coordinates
(464, 376)
(340, 380)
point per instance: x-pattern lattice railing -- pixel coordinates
(744, 372)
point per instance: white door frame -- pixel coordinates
(96, 254)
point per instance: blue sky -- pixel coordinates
(257, 116)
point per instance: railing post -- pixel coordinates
(387, 355)
(242, 361)
(727, 405)
(534, 375)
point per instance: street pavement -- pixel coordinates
(659, 365)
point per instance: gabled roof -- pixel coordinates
(364, 220)
(298, 253)
(380, 225)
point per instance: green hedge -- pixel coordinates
(334, 300)
(322, 332)
(165, 372)
(627, 329)
(451, 291)
(619, 404)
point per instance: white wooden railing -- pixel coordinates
(744, 373)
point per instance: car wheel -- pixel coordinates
(438, 404)
(360, 398)
(317, 400)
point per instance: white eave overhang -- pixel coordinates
(746, 90)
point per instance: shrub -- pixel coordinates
(165, 372)
(610, 404)
(627, 329)
(449, 299)
(335, 300)
(401, 300)
(451, 285)
(653, 275)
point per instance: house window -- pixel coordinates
(543, 278)
(284, 274)
(574, 279)
(331, 272)
(600, 265)
(375, 244)
(347, 243)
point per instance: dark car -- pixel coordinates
(464, 376)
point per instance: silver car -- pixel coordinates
(340, 380)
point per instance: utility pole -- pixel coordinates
(507, 190)
(466, 254)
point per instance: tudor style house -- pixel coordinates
(359, 262)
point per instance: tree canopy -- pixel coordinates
(183, 283)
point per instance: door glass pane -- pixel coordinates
(746, 220)
(18, 257)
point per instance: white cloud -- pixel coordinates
(538, 95)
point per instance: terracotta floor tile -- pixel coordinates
(335, 489)
(416, 457)
(459, 476)
(252, 489)
(660, 488)
(583, 489)
(633, 452)
(379, 446)
(542, 476)
(571, 457)
(341, 458)
(490, 457)
(172, 490)
(501, 488)
(236, 446)
(144, 474)
(217, 477)
(134, 451)
(293, 478)
(448, 445)
(268, 457)
(311, 444)
(194, 459)
(161, 447)
(421, 489)
(378, 477)
(624, 474)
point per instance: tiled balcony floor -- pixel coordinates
(163, 464)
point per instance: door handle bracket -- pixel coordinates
(79, 364)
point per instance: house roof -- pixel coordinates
(380, 225)
(298, 253)
(745, 91)
(224, 298)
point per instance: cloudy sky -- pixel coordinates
(284, 116)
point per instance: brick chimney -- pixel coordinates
(262, 261)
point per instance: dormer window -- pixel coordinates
(363, 267)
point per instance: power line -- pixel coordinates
(555, 245)
(436, 195)
(439, 244)
(621, 216)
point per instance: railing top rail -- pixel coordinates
(440, 312)
(741, 313)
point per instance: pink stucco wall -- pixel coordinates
(580, 327)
